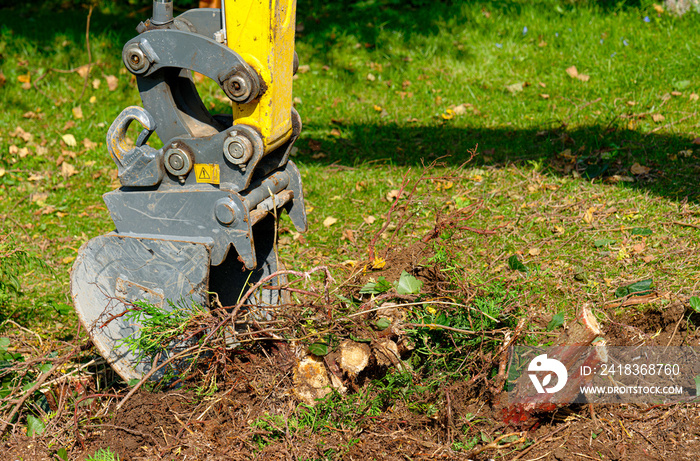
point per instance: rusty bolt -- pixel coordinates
(225, 211)
(238, 88)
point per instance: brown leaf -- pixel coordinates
(314, 145)
(638, 248)
(318, 155)
(77, 112)
(369, 219)
(23, 152)
(13, 150)
(583, 77)
(329, 221)
(96, 83)
(544, 96)
(392, 195)
(692, 97)
(676, 93)
(350, 235)
(304, 69)
(3, 79)
(572, 71)
(638, 169)
(335, 132)
(405, 84)
(20, 133)
(534, 251)
(542, 44)
(648, 258)
(371, 77)
(631, 103)
(89, 144)
(696, 141)
(69, 139)
(83, 70)
(658, 118)
(112, 82)
(67, 170)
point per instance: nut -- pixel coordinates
(239, 87)
(135, 59)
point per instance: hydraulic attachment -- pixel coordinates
(197, 216)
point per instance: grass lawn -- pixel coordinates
(547, 152)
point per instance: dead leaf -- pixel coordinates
(638, 169)
(534, 251)
(648, 258)
(29, 114)
(448, 115)
(314, 145)
(41, 150)
(543, 85)
(77, 112)
(583, 77)
(93, 99)
(20, 133)
(542, 44)
(40, 198)
(658, 8)
(631, 103)
(83, 70)
(676, 93)
(304, 69)
(335, 132)
(329, 221)
(318, 155)
(692, 97)
(2, 172)
(572, 71)
(378, 108)
(35, 177)
(515, 88)
(369, 219)
(13, 150)
(378, 263)
(25, 78)
(405, 84)
(588, 215)
(69, 139)
(638, 248)
(89, 144)
(112, 82)
(96, 83)
(392, 195)
(658, 118)
(23, 152)
(68, 259)
(67, 170)
(3, 79)
(371, 77)
(350, 235)
(544, 96)
(696, 141)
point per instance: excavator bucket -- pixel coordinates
(197, 217)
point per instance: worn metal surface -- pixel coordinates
(113, 271)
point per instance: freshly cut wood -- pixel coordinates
(573, 350)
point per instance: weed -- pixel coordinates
(103, 454)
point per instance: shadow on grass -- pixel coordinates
(598, 153)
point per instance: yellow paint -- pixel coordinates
(262, 33)
(207, 173)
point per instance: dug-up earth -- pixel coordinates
(254, 412)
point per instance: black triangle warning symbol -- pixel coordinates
(204, 174)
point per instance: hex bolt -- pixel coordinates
(177, 162)
(238, 88)
(135, 59)
(225, 211)
(237, 149)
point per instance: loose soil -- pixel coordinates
(226, 424)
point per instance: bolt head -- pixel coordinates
(238, 88)
(225, 211)
(238, 149)
(177, 162)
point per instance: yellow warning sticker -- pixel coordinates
(207, 173)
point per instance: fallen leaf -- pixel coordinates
(658, 8)
(392, 195)
(329, 221)
(378, 263)
(515, 88)
(572, 71)
(40, 198)
(638, 169)
(544, 96)
(67, 170)
(542, 44)
(350, 235)
(371, 77)
(23, 152)
(35, 177)
(96, 83)
(543, 85)
(638, 248)
(25, 78)
(68, 259)
(112, 82)
(335, 132)
(3, 79)
(77, 112)
(13, 150)
(369, 219)
(658, 118)
(378, 108)
(304, 69)
(676, 93)
(89, 144)
(448, 115)
(405, 84)
(693, 97)
(83, 70)
(588, 215)
(648, 258)
(631, 103)
(69, 139)
(534, 251)
(583, 77)
(314, 145)
(20, 133)
(318, 155)
(93, 99)
(696, 141)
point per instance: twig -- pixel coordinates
(150, 373)
(444, 327)
(668, 125)
(87, 44)
(495, 446)
(31, 391)
(538, 441)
